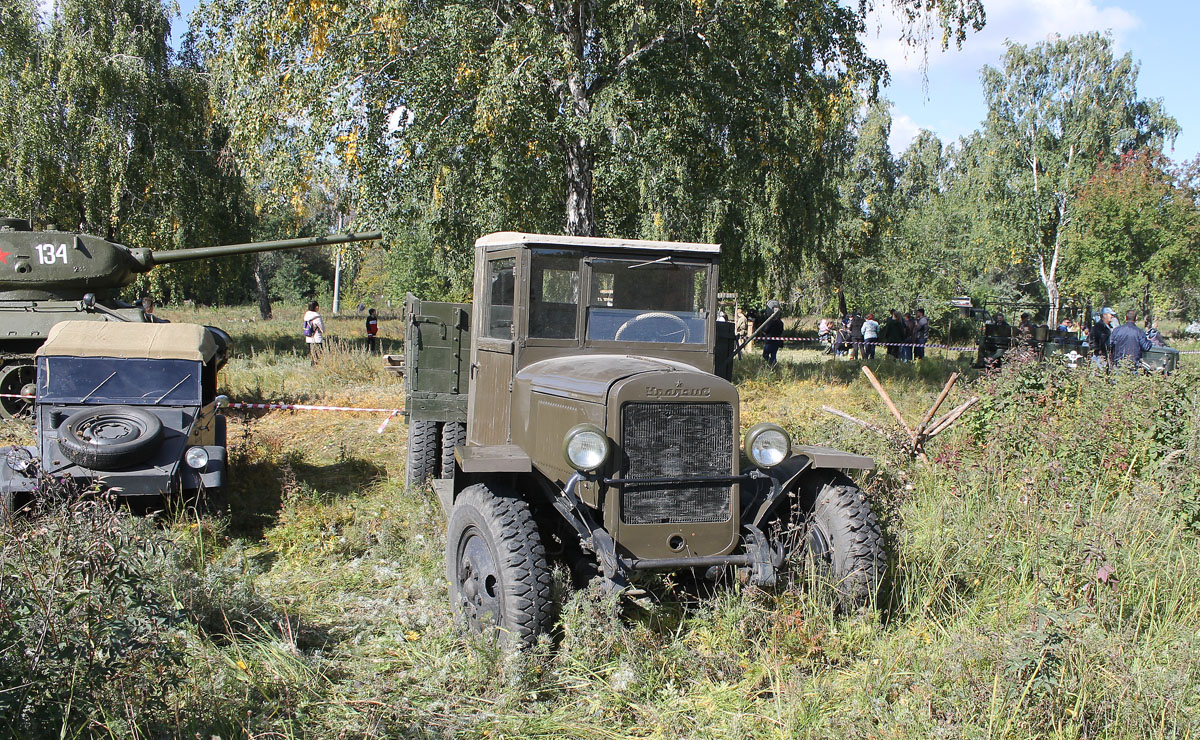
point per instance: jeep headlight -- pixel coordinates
(586, 447)
(196, 458)
(767, 444)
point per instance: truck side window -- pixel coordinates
(501, 282)
(554, 299)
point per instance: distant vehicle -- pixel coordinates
(601, 426)
(130, 407)
(52, 276)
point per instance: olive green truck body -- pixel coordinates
(601, 428)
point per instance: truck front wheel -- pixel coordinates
(424, 451)
(496, 565)
(838, 538)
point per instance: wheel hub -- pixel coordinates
(478, 582)
(109, 431)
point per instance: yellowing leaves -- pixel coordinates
(349, 146)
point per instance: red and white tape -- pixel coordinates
(863, 343)
(391, 413)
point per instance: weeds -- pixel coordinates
(1043, 585)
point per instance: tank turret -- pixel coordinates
(52, 276)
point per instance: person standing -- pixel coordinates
(922, 337)
(1128, 342)
(893, 333)
(1098, 338)
(372, 331)
(741, 329)
(909, 328)
(870, 332)
(856, 335)
(314, 331)
(771, 329)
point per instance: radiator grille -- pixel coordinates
(663, 440)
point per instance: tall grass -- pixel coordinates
(1043, 583)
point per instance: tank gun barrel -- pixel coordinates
(168, 256)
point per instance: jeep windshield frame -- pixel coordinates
(128, 382)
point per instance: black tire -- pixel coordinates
(454, 434)
(15, 379)
(500, 582)
(109, 437)
(424, 451)
(839, 537)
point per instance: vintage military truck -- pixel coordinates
(599, 431)
(129, 406)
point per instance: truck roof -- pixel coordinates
(129, 340)
(503, 239)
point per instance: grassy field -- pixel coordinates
(1045, 581)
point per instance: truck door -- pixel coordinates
(493, 356)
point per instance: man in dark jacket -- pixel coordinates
(772, 328)
(856, 334)
(1098, 338)
(1128, 342)
(893, 331)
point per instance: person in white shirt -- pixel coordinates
(870, 332)
(314, 331)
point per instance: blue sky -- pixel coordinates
(1159, 33)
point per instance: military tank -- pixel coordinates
(52, 276)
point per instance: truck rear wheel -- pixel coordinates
(496, 565)
(454, 434)
(424, 451)
(839, 539)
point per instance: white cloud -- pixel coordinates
(1021, 21)
(904, 130)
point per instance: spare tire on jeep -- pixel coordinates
(109, 437)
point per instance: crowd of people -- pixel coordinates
(1109, 341)
(903, 335)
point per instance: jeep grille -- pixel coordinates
(663, 440)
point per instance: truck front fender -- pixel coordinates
(786, 474)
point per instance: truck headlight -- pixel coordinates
(196, 458)
(767, 444)
(586, 447)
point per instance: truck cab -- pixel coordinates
(602, 428)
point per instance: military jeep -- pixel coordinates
(129, 407)
(602, 429)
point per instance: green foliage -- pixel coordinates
(442, 121)
(1055, 111)
(103, 129)
(1135, 236)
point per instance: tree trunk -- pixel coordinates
(581, 214)
(841, 301)
(260, 283)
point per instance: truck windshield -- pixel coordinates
(103, 380)
(641, 300)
